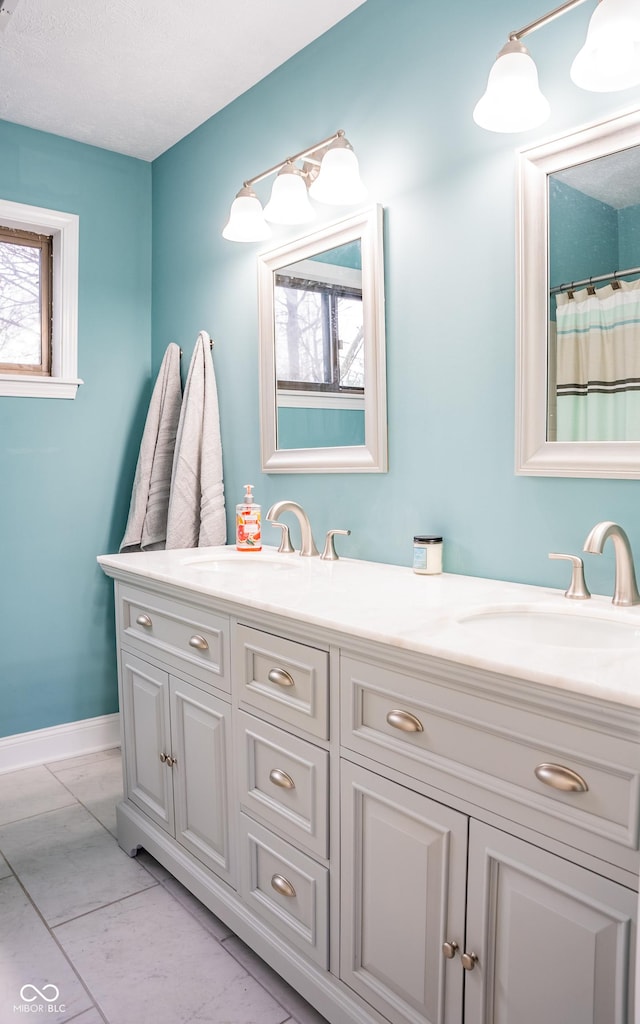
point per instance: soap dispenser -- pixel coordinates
(248, 536)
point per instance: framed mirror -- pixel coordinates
(322, 350)
(578, 303)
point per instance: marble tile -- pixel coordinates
(202, 914)
(5, 870)
(69, 864)
(98, 786)
(159, 872)
(291, 1000)
(90, 1017)
(30, 791)
(197, 909)
(77, 762)
(30, 960)
(146, 959)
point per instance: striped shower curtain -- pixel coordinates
(598, 363)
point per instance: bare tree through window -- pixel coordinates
(25, 302)
(319, 335)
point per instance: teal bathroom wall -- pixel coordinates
(590, 237)
(629, 229)
(583, 238)
(402, 80)
(319, 428)
(66, 466)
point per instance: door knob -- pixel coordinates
(469, 961)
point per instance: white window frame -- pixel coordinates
(65, 231)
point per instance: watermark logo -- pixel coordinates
(39, 1000)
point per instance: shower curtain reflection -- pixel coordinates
(598, 363)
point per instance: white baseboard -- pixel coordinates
(32, 748)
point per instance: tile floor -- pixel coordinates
(91, 936)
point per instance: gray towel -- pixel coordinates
(197, 515)
(146, 528)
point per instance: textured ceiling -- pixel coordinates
(135, 76)
(613, 179)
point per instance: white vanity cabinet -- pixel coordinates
(406, 838)
(404, 864)
(554, 941)
(538, 938)
(176, 730)
(282, 690)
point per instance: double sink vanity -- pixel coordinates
(416, 797)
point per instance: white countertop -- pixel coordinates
(392, 605)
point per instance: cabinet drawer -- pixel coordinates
(284, 678)
(283, 781)
(183, 636)
(418, 725)
(285, 888)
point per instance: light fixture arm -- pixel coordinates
(302, 154)
(545, 19)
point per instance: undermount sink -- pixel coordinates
(540, 626)
(231, 561)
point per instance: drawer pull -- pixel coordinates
(280, 778)
(144, 620)
(449, 949)
(404, 721)
(279, 677)
(282, 885)
(199, 643)
(163, 757)
(559, 777)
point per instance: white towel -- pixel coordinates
(146, 528)
(197, 515)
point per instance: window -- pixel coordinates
(38, 302)
(25, 301)
(319, 336)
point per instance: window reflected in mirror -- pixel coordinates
(319, 350)
(322, 350)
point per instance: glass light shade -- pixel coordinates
(289, 202)
(610, 58)
(246, 220)
(338, 182)
(513, 101)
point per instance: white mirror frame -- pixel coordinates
(535, 456)
(371, 457)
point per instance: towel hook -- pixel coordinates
(211, 344)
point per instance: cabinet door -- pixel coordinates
(145, 694)
(200, 725)
(554, 941)
(402, 895)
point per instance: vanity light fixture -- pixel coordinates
(608, 62)
(328, 172)
(289, 202)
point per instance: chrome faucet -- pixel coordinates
(625, 589)
(307, 543)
